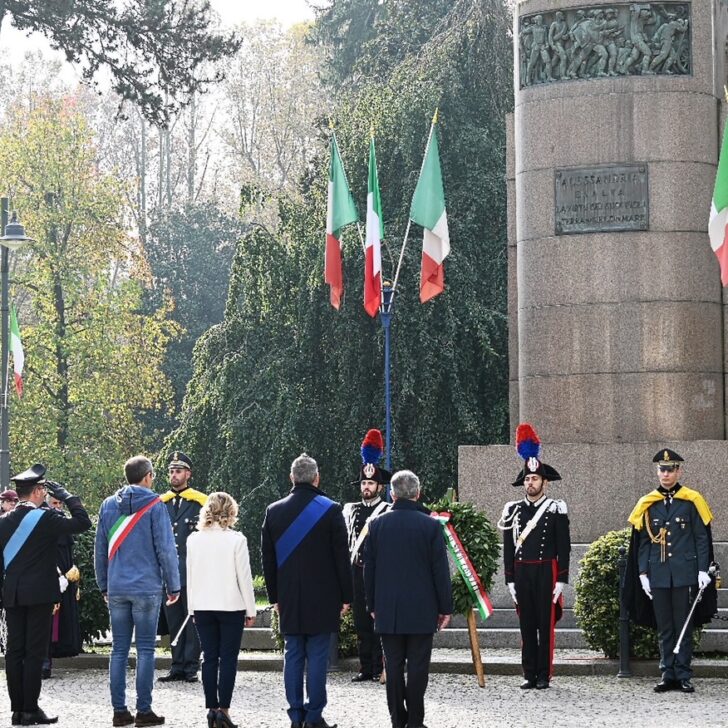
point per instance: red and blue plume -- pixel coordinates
(372, 447)
(528, 443)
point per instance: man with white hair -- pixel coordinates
(409, 594)
(308, 579)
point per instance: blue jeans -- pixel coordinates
(220, 635)
(309, 651)
(129, 613)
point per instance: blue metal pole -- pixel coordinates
(385, 313)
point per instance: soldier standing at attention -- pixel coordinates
(674, 556)
(358, 517)
(536, 548)
(183, 506)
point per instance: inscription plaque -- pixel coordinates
(601, 199)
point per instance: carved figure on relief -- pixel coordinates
(539, 48)
(558, 32)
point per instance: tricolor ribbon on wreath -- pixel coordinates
(480, 598)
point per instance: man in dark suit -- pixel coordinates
(674, 557)
(184, 504)
(408, 589)
(308, 579)
(30, 588)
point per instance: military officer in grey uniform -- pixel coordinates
(183, 505)
(674, 556)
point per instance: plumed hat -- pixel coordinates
(371, 453)
(528, 446)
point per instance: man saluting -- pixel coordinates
(28, 538)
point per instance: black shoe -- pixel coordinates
(665, 685)
(148, 718)
(528, 684)
(45, 673)
(222, 721)
(171, 677)
(377, 677)
(321, 724)
(686, 686)
(122, 717)
(16, 719)
(191, 678)
(362, 677)
(542, 684)
(37, 717)
(296, 724)
(211, 718)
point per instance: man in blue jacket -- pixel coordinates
(408, 590)
(135, 559)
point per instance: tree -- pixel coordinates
(284, 372)
(156, 51)
(92, 356)
(190, 252)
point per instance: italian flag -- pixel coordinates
(340, 212)
(719, 213)
(16, 348)
(374, 235)
(428, 210)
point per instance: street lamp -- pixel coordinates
(13, 237)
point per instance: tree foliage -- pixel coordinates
(285, 372)
(91, 355)
(157, 52)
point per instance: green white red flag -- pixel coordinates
(373, 240)
(718, 225)
(428, 210)
(16, 349)
(340, 212)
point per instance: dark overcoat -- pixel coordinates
(32, 577)
(315, 581)
(406, 573)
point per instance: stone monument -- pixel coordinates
(616, 311)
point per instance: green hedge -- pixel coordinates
(597, 600)
(93, 612)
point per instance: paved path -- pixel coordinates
(81, 698)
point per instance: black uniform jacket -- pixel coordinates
(32, 577)
(315, 581)
(549, 540)
(406, 573)
(184, 513)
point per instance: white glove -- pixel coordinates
(703, 579)
(646, 585)
(62, 583)
(512, 590)
(558, 590)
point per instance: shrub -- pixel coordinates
(597, 600)
(93, 612)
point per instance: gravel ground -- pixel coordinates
(81, 697)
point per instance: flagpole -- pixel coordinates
(385, 314)
(409, 220)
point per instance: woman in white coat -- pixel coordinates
(220, 599)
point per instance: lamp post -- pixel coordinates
(13, 237)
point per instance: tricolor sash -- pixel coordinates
(301, 527)
(481, 600)
(20, 535)
(124, 526)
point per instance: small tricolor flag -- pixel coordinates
(16, 349)
(374, 235)
(340, 212)
(717, 227)
(428, 210)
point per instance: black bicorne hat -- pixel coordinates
(528, 446)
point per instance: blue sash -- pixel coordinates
(301, 527)
(21, 534)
